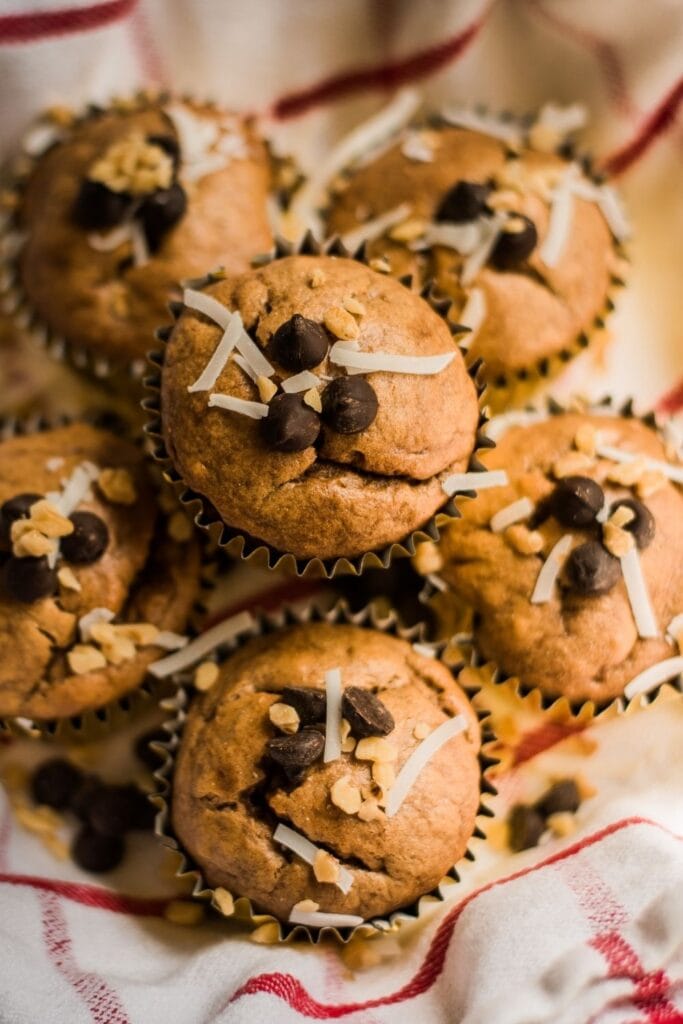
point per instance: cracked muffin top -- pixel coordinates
(308, 736)
(518, 236)
(317, 404)
(574, 567)
(92, 586)
(128, 202)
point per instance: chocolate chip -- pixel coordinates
(349, 404)
(97, 853)
(592, 570)
(298, 751)
(115, 810)
(309, 704)
(562, 796)
(98, 207)
(299, 344)
(15, 508)
(291, 425)
(576, 501)
(465, 201)
(88, 541)
(143, 750)
(365, 713)
(29, 579)
(525, 828)
(515, 243)
(160, 211)
(642, 526)
(84, 795)
(54, 782)
(169, 144)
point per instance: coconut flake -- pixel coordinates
(653, 676)
(425, 650)
(437, 582)
(551, 569)
(317, 919)
(499, 425)
(638, 595)
(373, 362)
(333, 689)
(487, 124)
(195, 134)
(475, 481)
(560, 220)
(39, 138)
(206, 304)
(76, 488)
(250, 351)
(472, 315)
(375, 228)
(203, 645)
(419, 759)
(90, 619)
(512, 513)
(205, 145)
(563, 120)
(462, 238)
(675, 628)
(608, 451)
(54, 464)
(138, 240)
(244, 365)
(414, 147)
(491, 228)
(255, 410)
(170, 641)
(307, 850)
(111, 240)
(613, 211)
(213, 369)
(303, 381)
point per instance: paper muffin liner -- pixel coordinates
(97, 722)
(190, 874)
(49, 128)
(435, 590)
(241, 545)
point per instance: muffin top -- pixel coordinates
(516, 236)
(588, 483)
(126, 205)
(85, 589)
(320, 461)
(254, 759)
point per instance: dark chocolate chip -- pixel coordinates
(115, 810)
(13, 509)
(160, 211)
(562, 796)
(642, 526)
(365, 713)
(525, 828)
(298, 751)
(88, 541)
(98, 207)
(309, 704)
(97, 853)
(169, 144)
(84, 795)
(143, 750)
(29, 579)
(291, 425)
(54, 782)
(299, 344)
(349, 404)
(515, 243)
(592, 570)
(576, 501)
(465, 201)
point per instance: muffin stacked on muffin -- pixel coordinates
(330, 770)
(317, 405)
(92, 584)
(122, 205)
(573, 566)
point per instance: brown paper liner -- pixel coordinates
(190, 875)
(241, 545)
(433, 595)
(97, 722)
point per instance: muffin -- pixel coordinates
(506, 223)
(573, 569)
(126, 202)
(92, 584)
(289, 786)
(332, 427)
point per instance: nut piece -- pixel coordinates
(381, 265)
(340, 323)
(352, 305)
(205, 676)
(370, 810)
(325, 867)
(524, 540)
(346, 795)
(408, 230)
(649, 483)
(67, 579)
(622, 515)
(283, 716)
(115, 647)
(317, 278)
(142, 634)
(84, 658)
(117, 486)
(133, 165)
(49, 520)
(29, 542)
(348, 742)
(183, 912)
(383, 774)
(421, 731)
(626, 473)
(223, 901)
(561, 824)
(306, 906)
(427, 558)
(585, 439)
(571, 464)
(376, 748)
(312, 399)
(616, 540)
(266, 389)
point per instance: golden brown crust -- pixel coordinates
(229, 832)
(354, 492)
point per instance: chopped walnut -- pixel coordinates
(561, 824)
(312, 399)
(622, 516)
(205, 675)
(67, 579)
(571, 464)
(524, 540)
(306, 907)
(223, 901)
(317, 278)
(346, 795)
(49, 520)
(355, 307)
(284, 717)
(29, 542)
(266, 389)
(421, 731)
(381, 265)
(83, 658)
(133, 165)
(586, 439)
(326, 867)
(544, 138)
(348, 743)
(427, 558)
(383, 774)
(340, 323)
(376, 748)
(117, 486)
(617, 541)
(649, 483)
(115, 647)
(370, 810)
(408, 230)
(142, 634)
(626, 473)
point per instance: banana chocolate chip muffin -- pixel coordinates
(125, 203)
(92, 584)
(503, 219)
(318, 405)
(330, 770)
(573, 566)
